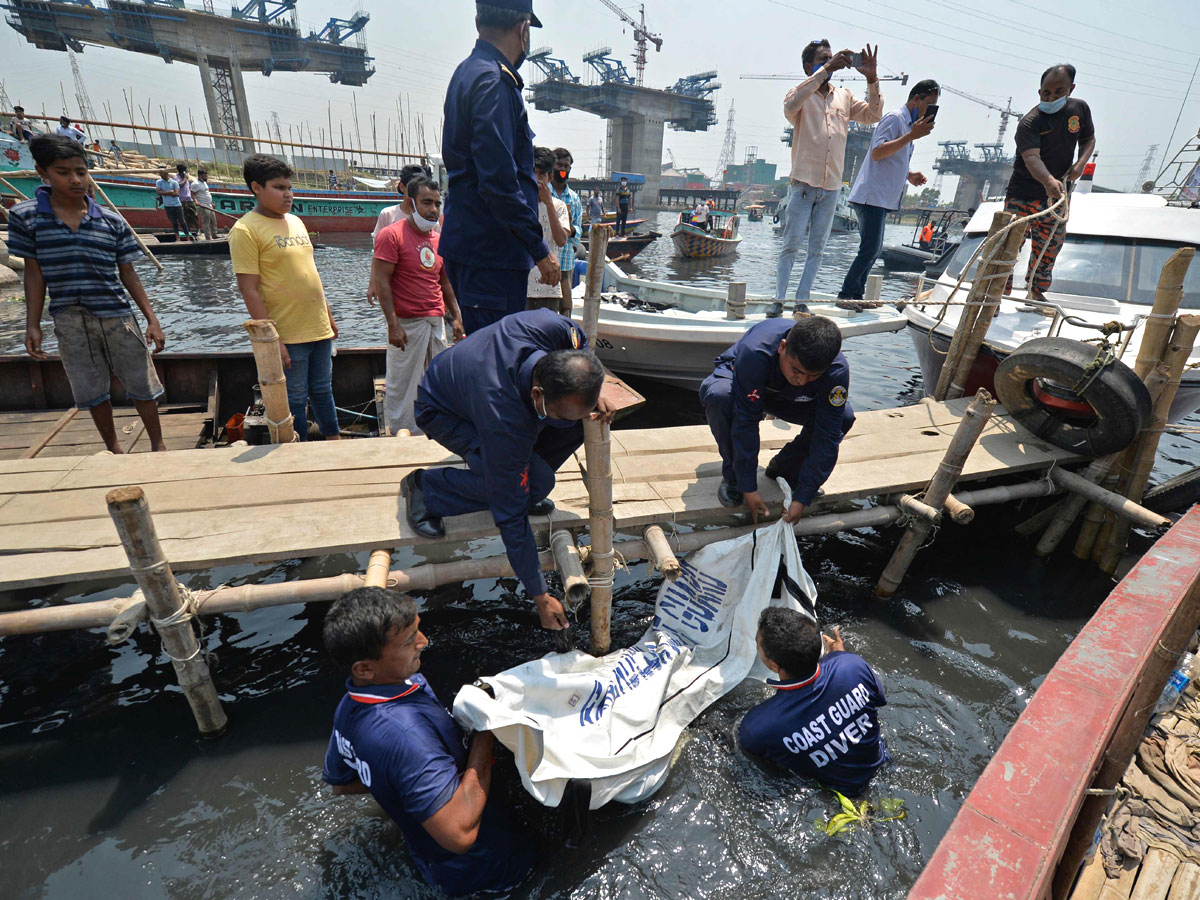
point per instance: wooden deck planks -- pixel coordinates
(59, 434)
(210, 505)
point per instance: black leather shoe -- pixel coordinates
(773, 470)
(729, 495)
(775, 310)
(419, 517)
(800, 310)
(542, 507)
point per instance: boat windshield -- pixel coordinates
(1110, 268)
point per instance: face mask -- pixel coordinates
(542, 414)
(525, 44)
(817, 68)
(1050, 107)
(422, 224)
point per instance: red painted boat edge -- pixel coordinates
(1014, 826)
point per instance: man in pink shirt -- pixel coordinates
(820, 115)
(414, 293)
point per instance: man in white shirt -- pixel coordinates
(700, 215)
(204, 205)
(556, 222)
(66, 129)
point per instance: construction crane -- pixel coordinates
(640, 36)
(796, 79)
(1005, 111)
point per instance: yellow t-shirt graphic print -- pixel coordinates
(280, 253)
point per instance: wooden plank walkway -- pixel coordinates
(59, 432)
(255, 504)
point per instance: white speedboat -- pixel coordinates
(672, 333)
(1108, 269)
(845, 219)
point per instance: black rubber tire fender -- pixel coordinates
(1176, 494)
(1118, 396)
(775, 219)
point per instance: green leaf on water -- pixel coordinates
(891, 804)
(847, 805)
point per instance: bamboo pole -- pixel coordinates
(940, 486)
(566, 560)
(970, 313)
(250, 597)
(379, 567)
(264, 340)
(168, 612)
(1111, 501)
(1094, 535)
(210, 134)
(16, 192)
(659, 550)
(989, 299)
(1179, 349)
(598, 457)
(914, 507)
(959, 512)
(137, 237)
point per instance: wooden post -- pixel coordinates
(874, 288)
(566, 559)
(996, 275)
(264, 340)
(1183, 338)
(735, 300)
(971, 308)
(661, 554)
(969, 429)
(1094, 535)
(168, 612)
(598, 458)
(379, 568)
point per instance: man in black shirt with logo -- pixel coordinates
(1048, 138)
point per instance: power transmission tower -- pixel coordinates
(1147, 164)
(728, 149)
(81, 95)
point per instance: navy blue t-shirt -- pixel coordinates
(825, 727)
(402, 744)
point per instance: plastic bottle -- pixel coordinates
(1176, 685)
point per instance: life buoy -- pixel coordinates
(775, 219)
(1037, 382)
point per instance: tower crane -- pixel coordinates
(640, 36)
(1005, 111)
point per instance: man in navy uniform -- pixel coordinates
(392, 738)
(491, 237)
(797, 373)
(510, 400)
(823, 722)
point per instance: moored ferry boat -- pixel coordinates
(693, 242)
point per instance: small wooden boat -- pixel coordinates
(754, 212)
(622, 248)
(170, 245)
(693, 242)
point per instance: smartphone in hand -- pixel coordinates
(931, 111)
(856, 60)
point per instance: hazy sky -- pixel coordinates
(1135, 61)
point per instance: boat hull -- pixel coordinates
(327, 211)
(692, 243)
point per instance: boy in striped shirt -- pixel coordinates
(83, 256)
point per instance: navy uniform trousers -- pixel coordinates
(455, 492)
(717, 396)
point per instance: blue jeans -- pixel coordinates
(870, 243)
(809, 210)
(310, 383)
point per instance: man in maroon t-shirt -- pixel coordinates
(414, 293)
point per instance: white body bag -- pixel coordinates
(615, 721)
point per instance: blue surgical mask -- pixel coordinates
(542, 414)
(1050, 107)
(817, 68)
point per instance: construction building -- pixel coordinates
(978, 178)
(752, 171)
(637, 116)
(257, 35)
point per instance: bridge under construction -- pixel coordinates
(259, 35)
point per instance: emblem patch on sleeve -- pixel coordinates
(575, 338)
(837, 396)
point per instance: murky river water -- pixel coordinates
(104, 791)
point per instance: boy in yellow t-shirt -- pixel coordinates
(273, 262)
